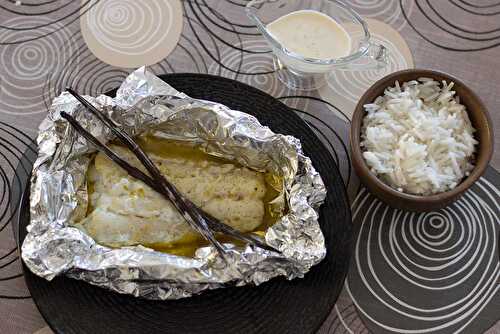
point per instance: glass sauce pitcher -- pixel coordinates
(298, 72)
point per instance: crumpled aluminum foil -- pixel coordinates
(146, 103)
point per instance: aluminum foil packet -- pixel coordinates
(145, 103)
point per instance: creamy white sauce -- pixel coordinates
(311, 34)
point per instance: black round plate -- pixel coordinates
(278, 306)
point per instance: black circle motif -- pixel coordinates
(448, 259)
(454, 35)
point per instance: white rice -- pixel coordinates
(418, 138)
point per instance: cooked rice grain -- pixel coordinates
(418, 138)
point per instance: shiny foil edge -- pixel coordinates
(146, 103)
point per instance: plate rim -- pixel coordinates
(24, 200)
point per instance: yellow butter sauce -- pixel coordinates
(175, 149)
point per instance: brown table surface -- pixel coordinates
(42, 51)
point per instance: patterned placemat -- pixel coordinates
(429, 272)
(129, 34)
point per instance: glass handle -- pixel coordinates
(376, 57)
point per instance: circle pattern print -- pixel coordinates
(448, 258)
(29, 61)
(128, 33)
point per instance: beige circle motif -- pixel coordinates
(131, 33)
(344, 88)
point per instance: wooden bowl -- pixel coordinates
(478, 116)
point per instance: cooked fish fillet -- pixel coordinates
(128, 212)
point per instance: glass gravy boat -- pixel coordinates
(298, 72)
